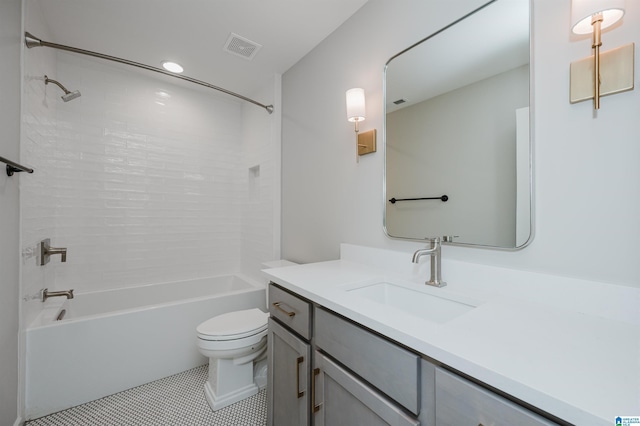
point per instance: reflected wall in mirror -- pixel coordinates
(457, 124)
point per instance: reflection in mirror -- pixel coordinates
(457, 124)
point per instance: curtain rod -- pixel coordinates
(32, 41)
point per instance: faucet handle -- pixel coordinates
(45, 251)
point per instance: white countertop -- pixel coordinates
(581, 367)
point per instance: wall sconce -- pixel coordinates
(605, 73)
(365, 142)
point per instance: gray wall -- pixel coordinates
(585, 165)
(10, 28)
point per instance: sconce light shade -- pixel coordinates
(582, 10)
(355, 105)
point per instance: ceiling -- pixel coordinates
(194, 32)
(455, 58)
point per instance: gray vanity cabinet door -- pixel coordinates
(370, 357)
(288, 381)
(460, 402)
(341, 399)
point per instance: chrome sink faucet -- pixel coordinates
(47, 294)
(434, 251)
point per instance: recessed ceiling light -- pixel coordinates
(172, 67)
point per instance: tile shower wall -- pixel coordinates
(37, 130)
(141, 179)
(261, 165)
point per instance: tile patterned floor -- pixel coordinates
(177, 400)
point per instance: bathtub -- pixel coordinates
(109, 341)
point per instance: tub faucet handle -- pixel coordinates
(45, 251)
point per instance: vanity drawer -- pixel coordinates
(290, 310)
(460, 402)
(390, 368)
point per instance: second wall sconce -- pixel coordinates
(365, 142)
(603, 73)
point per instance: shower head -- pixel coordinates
(71, 96)
(68, 96)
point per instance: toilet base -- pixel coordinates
(218, 402)
(229, 382)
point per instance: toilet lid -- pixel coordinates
(233, 325)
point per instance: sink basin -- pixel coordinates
(413, 302)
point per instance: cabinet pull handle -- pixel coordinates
(316, 408)
(277, 306)
(299, 361)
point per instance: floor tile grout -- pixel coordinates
(176, 400)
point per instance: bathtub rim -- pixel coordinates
(53, 307)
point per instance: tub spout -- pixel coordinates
(47, 294)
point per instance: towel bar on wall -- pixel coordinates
(442, 198)
(14, 167)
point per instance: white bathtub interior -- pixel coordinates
(113, 340)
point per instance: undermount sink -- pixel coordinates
(422, 305)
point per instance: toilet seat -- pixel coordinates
(234, 325)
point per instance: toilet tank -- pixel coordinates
(275, 264)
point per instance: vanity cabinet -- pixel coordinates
(460, 402)
(360, 377)
(327, 370)
(289, 359)
(342, 399)
(288, 377)
(370, 357)
(354, 376)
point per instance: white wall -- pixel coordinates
(10, 41)
(586, 174)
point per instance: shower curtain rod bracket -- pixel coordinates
(13, 167)
(33, 41)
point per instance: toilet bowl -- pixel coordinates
(232, 342)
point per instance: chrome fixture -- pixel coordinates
(45, 251)
(47, 294)
(31, 41)
(434, 251)
(68, 95)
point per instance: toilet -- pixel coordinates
(232, 342)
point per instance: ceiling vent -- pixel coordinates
(400, 101)
(241, 46)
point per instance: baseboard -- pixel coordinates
(18, 422)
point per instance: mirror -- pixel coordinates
(457, 125)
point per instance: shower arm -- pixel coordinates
(48, 80)
(32, 41)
